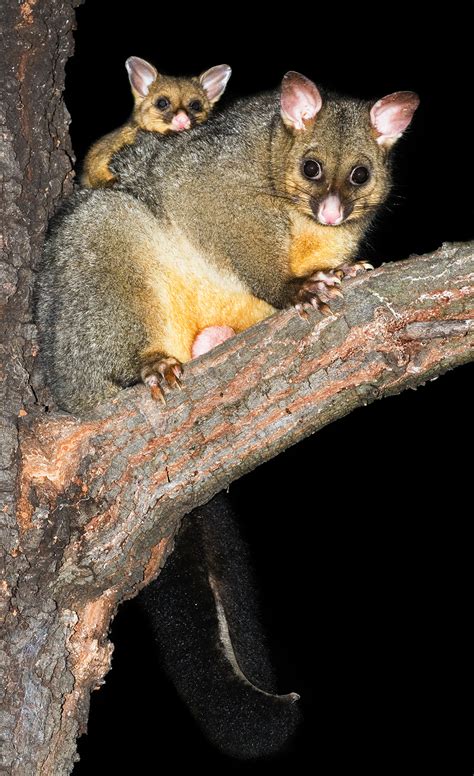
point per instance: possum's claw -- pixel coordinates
(351, 270)
(159, 370)
(321, 287)
(318, 289)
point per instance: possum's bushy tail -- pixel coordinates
(204, 615)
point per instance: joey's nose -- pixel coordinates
(330, 211)
(180, 121)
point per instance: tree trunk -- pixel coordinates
(36, 172)
(90, 507)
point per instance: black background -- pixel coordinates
(358, 533)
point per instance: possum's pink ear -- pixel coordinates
(391, 115)
(141, 75)
(300, 100)
(214, 81)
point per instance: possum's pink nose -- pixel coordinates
(180, 121)
(330, 211)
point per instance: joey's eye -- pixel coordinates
(359, 175)
(312, 169)
(195, 105)
(162, 103)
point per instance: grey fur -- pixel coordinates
(221, 186)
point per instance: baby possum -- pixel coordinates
(163, 104)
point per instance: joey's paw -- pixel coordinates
(351, 270)
(318, 290)
(158, 371)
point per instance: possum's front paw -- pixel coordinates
(158, 370)
(318, 289)
(351, 270)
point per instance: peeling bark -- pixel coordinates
(90, 507)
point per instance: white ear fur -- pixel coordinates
(391, 115)
(214, 81)
(141, 75)
(300, 100)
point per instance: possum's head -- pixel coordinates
(337, 168)
(167, 104)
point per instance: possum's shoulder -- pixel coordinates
(86, 208)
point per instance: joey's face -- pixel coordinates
(167, 104)
(173, 105)
(337, 168)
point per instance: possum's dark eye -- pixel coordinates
(196, 106)
(312, 169)
(162, 103)
(359, 175)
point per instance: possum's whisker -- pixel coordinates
(271, 193)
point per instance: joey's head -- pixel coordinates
(168, 104)
(337, 166)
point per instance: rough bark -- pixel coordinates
(100, 499)
(90, 507)
(35, 173)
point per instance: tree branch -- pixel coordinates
(127, 474)
(100, 499)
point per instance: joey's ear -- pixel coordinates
(391, 115)
(141, 75)
(214, 81)
(300, 100)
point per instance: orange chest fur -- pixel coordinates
(315, 247)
